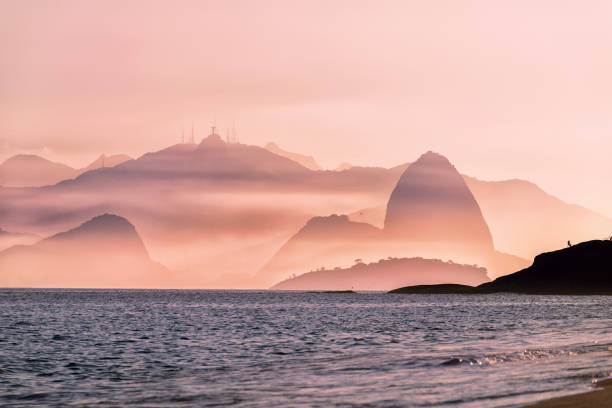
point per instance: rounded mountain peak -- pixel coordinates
(25, 157)
(30, 160)
(107, 222)
(432, 202)
(336, 225)
(212, 141)
(102, 225)
(432, 158)
(106, 225)
(105, 232)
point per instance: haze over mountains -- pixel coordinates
(201, 208)
(386, 274)
(431, 213)
(216, 213)
(306, 161)
(106, 161)
(28, 170)
(523, 219)
(325, 242)
(8, 239)
(104, 252)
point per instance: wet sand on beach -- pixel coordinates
(601, 397)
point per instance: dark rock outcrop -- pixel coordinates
(443, 289)
(585, 268)
(582, 269)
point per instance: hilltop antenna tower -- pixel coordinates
(234, 135)
(192, 137)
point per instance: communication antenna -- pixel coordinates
(192, 137)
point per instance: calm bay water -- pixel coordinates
(215, 348)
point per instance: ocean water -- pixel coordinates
(276, 349)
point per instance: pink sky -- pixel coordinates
(515, 89)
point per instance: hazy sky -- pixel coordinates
(505, 89)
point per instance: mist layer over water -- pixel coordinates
(211, 348)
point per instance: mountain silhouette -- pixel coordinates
(201, 207)
(307, 161)
(525, 220)
(433, 210)
(431, 213)
(26, 170)
(385, 275)
(106, 161)
(215, 206)
(103, 252)
(212, 161)
(582, 269)
(29, 170)
(432, 202)
(212, 143)
(344, 166)
(8, 239)
(324, 241)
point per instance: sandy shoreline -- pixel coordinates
(600, 397)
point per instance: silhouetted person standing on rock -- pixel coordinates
(569, 244)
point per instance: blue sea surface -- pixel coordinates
(169, 348)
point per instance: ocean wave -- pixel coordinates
(527, 355)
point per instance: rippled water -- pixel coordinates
(212, 348)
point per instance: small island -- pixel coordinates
(442, 289)
(385, 274)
